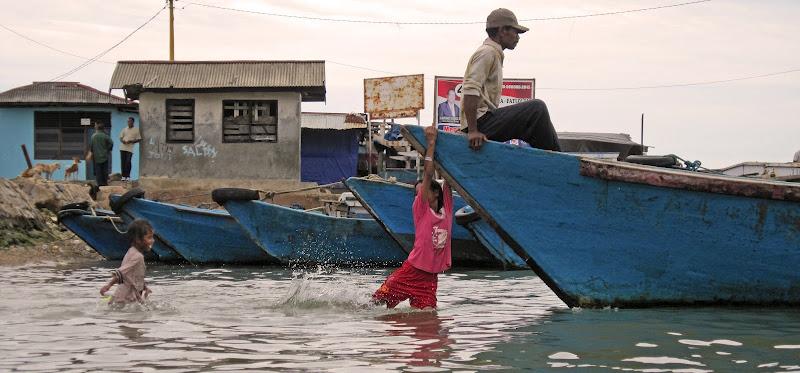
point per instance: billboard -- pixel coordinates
(447, 99)
(394, 96)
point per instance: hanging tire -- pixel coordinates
(466, 215)
(122, 200)
(65, 213)
(223, 195)
(75, 206)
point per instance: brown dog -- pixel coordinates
(72, 171)
(33, 171)
(48, 169)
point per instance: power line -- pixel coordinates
(47, 46)
(674, 85)
(419, 23)
(103, 53)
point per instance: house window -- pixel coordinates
(59, 135)
(180, 120)
(250, 121)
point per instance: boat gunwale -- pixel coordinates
(689, 180)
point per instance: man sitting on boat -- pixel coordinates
(481, 115)
(417, 279)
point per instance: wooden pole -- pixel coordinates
(171, 32)
(27, 157)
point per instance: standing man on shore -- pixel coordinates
(481, 115)
(100, 145)
(129, 136)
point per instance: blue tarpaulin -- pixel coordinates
(328, 156)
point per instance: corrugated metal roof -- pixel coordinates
(41, 93)
(334, 121)
(219, 74)
(612, 138)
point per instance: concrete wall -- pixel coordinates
(16, 128)
(208, 157)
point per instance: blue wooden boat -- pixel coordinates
(607, 233)
(390, 204)
(297, 236)
(487, 236)
(202, 236)
(101, 231)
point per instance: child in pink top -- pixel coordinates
(130, 274)
(417, 279)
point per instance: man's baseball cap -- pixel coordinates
(504, 17)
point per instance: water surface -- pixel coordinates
(277, 319)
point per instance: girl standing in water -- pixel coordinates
(417, 279)
(130, 274)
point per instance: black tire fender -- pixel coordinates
(123, 199)
(75, 206)
(223, 195)
(466, 215)
(66, 213)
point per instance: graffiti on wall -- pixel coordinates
(158, 149)
(200, 148)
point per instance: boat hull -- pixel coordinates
(201, 236)
(600, 242)
(296, 236)
(102, 235)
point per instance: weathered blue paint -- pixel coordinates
(163, 250)
(598, 242)
(304, 237)
(391, 204)
(199, 235)
(100, 234)
(16, 125)
(492, 242)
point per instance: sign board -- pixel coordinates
(86, 121)
(448, 99)
(394, 96)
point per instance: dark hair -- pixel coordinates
(99, 124)
(131, 119)
(492, 32)
(434, 186)
(138, 229)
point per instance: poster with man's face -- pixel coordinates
(448, 99)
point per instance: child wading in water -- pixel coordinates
(417, 278)
(130, 274)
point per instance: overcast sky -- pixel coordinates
(719, 124)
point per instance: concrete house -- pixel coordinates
(52, 120)
(221, 119)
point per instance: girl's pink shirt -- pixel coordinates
(432, 234)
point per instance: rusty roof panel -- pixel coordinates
(59, 93)
(394, 96)
(334, 121)
(219, 74)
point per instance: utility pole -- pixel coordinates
(171, 32)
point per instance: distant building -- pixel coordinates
(767, 170)
(52, 120)
(221, 119)
(330, 146)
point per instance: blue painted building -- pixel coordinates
(52, 120)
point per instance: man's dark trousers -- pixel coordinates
(126, 163)
(101, 173)
(528, 121)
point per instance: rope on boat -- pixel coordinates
(110, 218)
(271, 194)
(695, 166)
